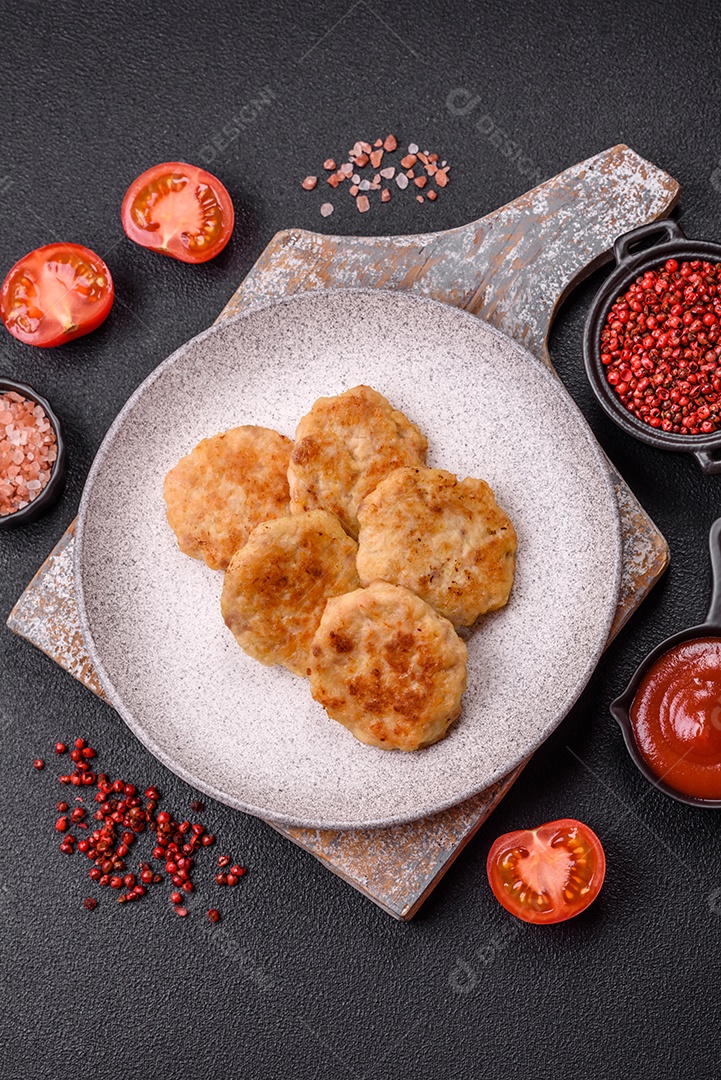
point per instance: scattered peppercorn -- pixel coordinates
(122, 817)
(213, 914)
(90, 903)
(39, 764)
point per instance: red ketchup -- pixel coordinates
(676, 718)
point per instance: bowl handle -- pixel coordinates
(714, 543)
(710, 465)
(669, 230)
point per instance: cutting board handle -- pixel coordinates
(513, 267)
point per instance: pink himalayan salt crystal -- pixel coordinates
(28, 449)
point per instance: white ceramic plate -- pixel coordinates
(252, 736)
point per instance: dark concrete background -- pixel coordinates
(308, 978)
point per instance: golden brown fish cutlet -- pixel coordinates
(219, 492)
(344, 447)
(388, 667)
(277, 585)
(445, 539)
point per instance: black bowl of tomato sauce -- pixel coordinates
(658, 373)
(670, 712)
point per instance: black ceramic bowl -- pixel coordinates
(53, 489)
(629, 265)
(621, 707)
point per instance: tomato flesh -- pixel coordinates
(548, 874)
(179, 210)
(56, 293)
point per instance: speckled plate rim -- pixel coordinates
(422, 811)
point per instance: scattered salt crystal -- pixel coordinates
(364, 185)
(388, 173)
(412, 148)
(326, 209)
(402, 181)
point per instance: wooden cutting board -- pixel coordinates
(512, 268)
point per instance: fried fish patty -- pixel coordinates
(445, 539)
(225, 487)
(388, 667)
(343, 447)
(277, 585)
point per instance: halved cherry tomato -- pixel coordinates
(548, 874)
(179, 210)
(56, 293)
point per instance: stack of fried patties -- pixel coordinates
(348, 561)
